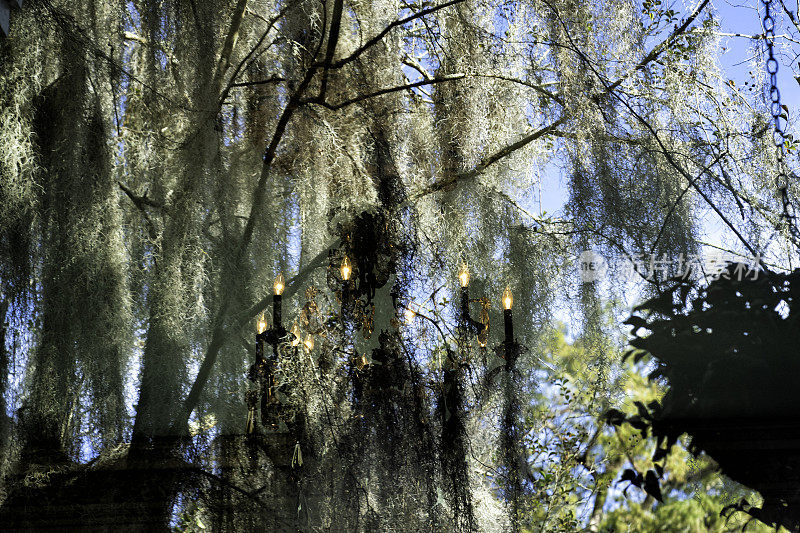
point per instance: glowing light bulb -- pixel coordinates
(261, 325)
(463, 275)
(279, 285)
(346, 269)
(508, 298)
(296, 333)
(409, 315)
(309, 342)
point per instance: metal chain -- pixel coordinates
(778, 136)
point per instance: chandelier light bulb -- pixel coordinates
(409, 315)
(508, 298)
(261, 325)
(463, 275)
(346, 269)
(279, 285)
(309, 342)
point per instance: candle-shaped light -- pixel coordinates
(277, 298)
(309, 343)
(409, 315)
(261, 324)
(463, 275)
(279, 285)
(346, 269)
(463, 278)
(508, 298)
(508, 301)
(296, 334)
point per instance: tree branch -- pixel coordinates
(656, 51)
(664, 151)
(380, 92)
(268, 81)
(138, 200)
(231, 38)
(538, 87)
(333, 40)
(680, 197)
(600, 498)
(249, 54)
(220, 335)
(487, 161)
(377, 38)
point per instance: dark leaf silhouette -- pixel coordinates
(614, 417)
(729, 356)
(634, 477)
(651, 485)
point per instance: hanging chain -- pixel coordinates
(778, 136)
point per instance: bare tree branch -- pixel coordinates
(381, 92)
(268, 81)
(230, 39)
(487, 161)
(271, 23)
(660, 48)
(678, 200)
(377, 38)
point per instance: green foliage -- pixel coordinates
(694, 491)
